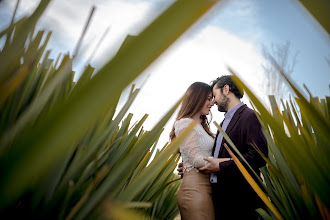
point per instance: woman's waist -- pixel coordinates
(194, 180)
(194, 173)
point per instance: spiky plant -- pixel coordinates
(296, 178)
(63, 152)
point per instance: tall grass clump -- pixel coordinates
(296, 178)
(66, 150)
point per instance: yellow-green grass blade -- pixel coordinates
(121, 144)
(264, 214)
(327, 106)
(318, 121)
(33, 47)
(119, 212)
(272, 191)
(14, 14)
(47, 69)
(98, 178)
(323, 209)
(318, 158)
(288, 181)
(143, 164)
(165, 207)
(44, 69)
(139, 168)
(319, 9)
(38, 102)
(253, 184)
(283, 198)
(273, 187)
(293, 132)
(8, 87)
(75, 52)
(68, 85)
(13, 54)
(57, 61)
(49, 185)
(33, 53)
(287, 113)
(145, 160)
(110, 131)
(306, 124)
(31, 60)
(294, 111)
(130, 205)
(274, 107)
(123, 130)
(321, 125)
(7, 31)
(309, 200)
(110, 126)
(85, 76)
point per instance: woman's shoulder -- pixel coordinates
(184, 121)
(181, 124)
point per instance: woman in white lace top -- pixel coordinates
(194, 195)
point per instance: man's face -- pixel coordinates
(220, 99)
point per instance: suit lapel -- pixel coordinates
(216, 137)
(232, 123)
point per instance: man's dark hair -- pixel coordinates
(227, 80)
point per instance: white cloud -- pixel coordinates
(66, 19)
(201, 58)
(201, 54)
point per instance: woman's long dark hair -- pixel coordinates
(195, 98)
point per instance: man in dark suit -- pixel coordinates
(233, 197)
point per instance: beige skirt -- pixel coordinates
(195, 196)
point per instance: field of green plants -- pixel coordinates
(68, 152)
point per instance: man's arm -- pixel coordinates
(254, 136)
(212, 164)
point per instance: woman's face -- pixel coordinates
(207, 105)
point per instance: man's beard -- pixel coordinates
(223, 106)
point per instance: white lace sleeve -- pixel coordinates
(181, 124)
(191, 150)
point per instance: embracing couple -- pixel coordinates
(212, 186)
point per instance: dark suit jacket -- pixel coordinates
(232, 189)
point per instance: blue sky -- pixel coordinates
(232, 33)
(275, 22)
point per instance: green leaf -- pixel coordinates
(264, 214)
